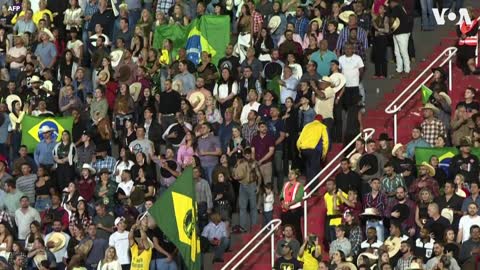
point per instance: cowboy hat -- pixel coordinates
(197, 98)
(393, 244)
(395, 24)
(39, 258)
(135, 89)
(448, 214)
(125, 71)
(369, 212)
(326, 79)
(318, 20)
(177, 85)
(369, 255)
(384, 137)
(89, 167)
(430, 106)
(10, 99)
(446, 97)
(430, 169)
(354, 160)
(103, 77)
(338, 82)
(47, 86)
(350, 265)
(441, 70)
(345, 16)
(274, 23)
(115, 57)
(45, 129)
(396, 147)
(58, 240)
(414, 266)
(35, 79)
(49, 34)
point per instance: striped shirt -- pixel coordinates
(301, 26)
(379, 202)
(344, 37)
(26, 184)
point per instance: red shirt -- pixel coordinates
(262, 146)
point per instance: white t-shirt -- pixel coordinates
(350, 67)
(120, 242)
(17, 52)
(465, 223)
(126, 186)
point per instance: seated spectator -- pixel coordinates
(217, 236)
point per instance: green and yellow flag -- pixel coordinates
(175, 213)
(426, 93)
(32, 125)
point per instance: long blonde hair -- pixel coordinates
(105, 258)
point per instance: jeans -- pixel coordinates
(278, 168)
(41, 203)
(378, 225)
(219, 250)
(208, 170)
(162, 264)
(14, 73)
(134, 16)
(247, 197)
(401, 52)
(427, 15)
(267, 217)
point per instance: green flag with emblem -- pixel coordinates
(33, 129)
(175, 213)
(426, 93)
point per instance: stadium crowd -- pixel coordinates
(252, 125)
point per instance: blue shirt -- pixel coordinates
(301, 26)
(108, 162)
(212, 231)
(46, 53)
(275, 127)
(21, 26)
(416, 143)
(43, 154)
(323, 62)
(89, 11)
(224, 134)
(468, 201)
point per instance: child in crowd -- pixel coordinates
(268, 200)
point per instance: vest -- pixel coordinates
(469, 40)
(244, 90)
(289, 195)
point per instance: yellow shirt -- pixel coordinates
(309, 261)
(140, 261)
(39, 14)
(331, 207)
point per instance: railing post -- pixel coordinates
(272, 243)
(395, 137)
(305, 217)
(450, 76)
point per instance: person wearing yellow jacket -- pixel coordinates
(313, 146)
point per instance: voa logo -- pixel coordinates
(440, 17)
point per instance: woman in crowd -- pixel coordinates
(186, 151)
(64, 155)
(124, 109)
(35, 232)
(381, 25)
(124, 162)
(225, 90)
(80, 216)
(6, 241)
(105, 189)
(451, 246)
(44, 187)
(237, 107)
(421, 212)
(110, 261)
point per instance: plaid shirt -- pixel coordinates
(355, 239)
(86, 220)
(344, 37)
(248, 132)
(301, 26)
(108, 162)
(432, 129)
(165, 5)
(403, 264)
(379, 202)
(257, 21)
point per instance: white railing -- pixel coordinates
(365, 134)
(272, 226)
(416, 84)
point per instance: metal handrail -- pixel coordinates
(366, 134)
(272, 226)
(393, 108)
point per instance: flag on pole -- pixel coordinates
(208, 33)
(32, 125)
(426, 93)
(175, 213)
(275, 87)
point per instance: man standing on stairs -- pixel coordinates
(432, 127)
(401, 36)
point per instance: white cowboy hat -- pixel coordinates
(49, 34)
(115, 57)
(39, 258)
(369, 212)
(448, 214)
(446, 97)
(318, 20)
(135, 89)
(414, 266)
(10, 99)
(395, 24)
(45, 129)
(89, 167)
(59, 240)
(197, 98)
(274, 23)
(47, 86)
(345, 16)
(35, 79)
(396, 147)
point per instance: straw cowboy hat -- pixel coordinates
(35, 79)
(39, 258)
(274, 23)
(103, 77)
(326, 79)
(448, 214)
(177, 85)
(369, 212)
(10, 99)
(430, 106)
(45, 129)
(371, 257)
(446, 97)
(49, 34)
(396, 147)
(318, 20)
(197, 98)
(430, 169)
(47, 86)
(58, 240)
(345, 16)
(393, 244)
(135, 89)
(89, 167)
(414, 266)
(395, 24)
(115, 57)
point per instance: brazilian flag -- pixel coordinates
(426, 93)
(444, 155)
(31, 126)
(175, 213)
(208, 33)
